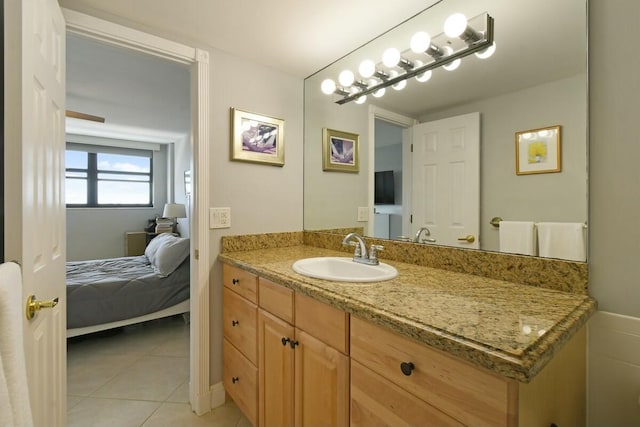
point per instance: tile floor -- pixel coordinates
(136, 377)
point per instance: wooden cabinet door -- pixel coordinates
(321, 383)
(275, 367)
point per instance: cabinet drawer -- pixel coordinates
(470, 394)
(329, 324)
(378, 402)
(276, 299)
(240, 379)
(240, 281)
(240, 318)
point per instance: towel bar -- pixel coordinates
(495, 221)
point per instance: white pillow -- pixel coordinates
(170, 255)
(154, 244)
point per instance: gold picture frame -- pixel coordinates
(538, 151)
(256, 138)
(339, 151)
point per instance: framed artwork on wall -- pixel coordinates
(339, 151)
(257, 138)
(538, 151)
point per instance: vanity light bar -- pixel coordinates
(480, 41)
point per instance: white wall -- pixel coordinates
(97, 233)
(614, 205)
(331, 199)
(543, 197)
(262, 198)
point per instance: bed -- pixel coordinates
(108, 293)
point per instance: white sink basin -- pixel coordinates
(343, 270)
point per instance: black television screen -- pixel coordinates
(384, 188)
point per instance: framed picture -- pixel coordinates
(339, 151)
(256, 138)
(538, 151)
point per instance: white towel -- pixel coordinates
(564, 240)
(16, 410)
(518, 237)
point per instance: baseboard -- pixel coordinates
(217, 394)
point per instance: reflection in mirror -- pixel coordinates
(535, 79)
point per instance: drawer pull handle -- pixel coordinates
(285, 341)
(235, 281)
(407, 368)
(235, 380)
(235, 322)
(293, 344)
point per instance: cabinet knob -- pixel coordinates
(234, 322)
(285, 340)
(407, 368)
(235, 281)
(235, 379)
(293, 344)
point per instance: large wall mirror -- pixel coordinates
(537, 78)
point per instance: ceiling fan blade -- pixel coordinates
(84, 116)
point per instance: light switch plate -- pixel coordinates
(363, 214)
(219, 217)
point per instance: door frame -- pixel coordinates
(201, 396)
(405, 122)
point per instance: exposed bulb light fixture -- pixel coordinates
(461, 37)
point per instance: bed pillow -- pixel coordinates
(171, 253)
(154, 244)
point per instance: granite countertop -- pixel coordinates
(508, 328)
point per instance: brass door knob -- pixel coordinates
(34, 306)
(468, 239)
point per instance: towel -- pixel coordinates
(518, 237)
(16, 410)
(564, 240)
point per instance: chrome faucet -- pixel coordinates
(426, 232)
(360, 254)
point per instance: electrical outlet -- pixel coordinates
(219, 217)
(363, 214)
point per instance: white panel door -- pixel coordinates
(446, 180)
(35, 189)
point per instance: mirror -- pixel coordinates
(537, 78)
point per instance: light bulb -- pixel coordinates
(455, 25)
(401, 84)
(378, 93)
(360, 99)
(328, 86)
(451, 65)
(486, 53)
(391, 57)
(420, 42)
(346, 78)
(423, 77)
(367, 68)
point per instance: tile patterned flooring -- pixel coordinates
(137, 377)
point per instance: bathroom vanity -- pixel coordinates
(429, 347)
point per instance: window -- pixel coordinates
(108, 176)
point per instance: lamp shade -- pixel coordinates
(174, 210)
